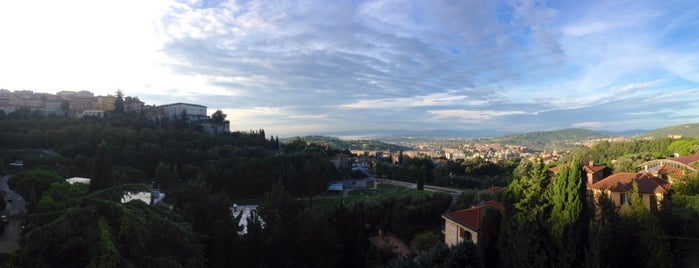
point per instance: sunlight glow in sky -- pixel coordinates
(305, 67)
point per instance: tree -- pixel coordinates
(417, 175)
(525, 240)
(3, 204)
(100, 231)
(119, 102)
(650, 241)
(102, 177)
(65, 108)
(166, 175)
(218, 117)
(568, 219)
(488, 237)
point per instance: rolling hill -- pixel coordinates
(548, 140)
(686, 130)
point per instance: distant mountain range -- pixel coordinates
(435, 133)
(539, 140)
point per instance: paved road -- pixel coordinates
(12, 233)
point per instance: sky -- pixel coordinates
(323, 67)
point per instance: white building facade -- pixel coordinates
(194, 112)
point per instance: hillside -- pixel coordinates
(548, 140)
(686, 130)
(369, 145)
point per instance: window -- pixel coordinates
(625, 199)
(466, 235)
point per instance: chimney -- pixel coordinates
(591, 163)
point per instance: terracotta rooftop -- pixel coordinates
(471, 217)
(493, 189)
(672, 171)
(587, 167)
(688, 159)
(623, 182)
(554, 169)
(593, 169)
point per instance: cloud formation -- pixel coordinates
(302, 67)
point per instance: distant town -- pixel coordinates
(85, 103)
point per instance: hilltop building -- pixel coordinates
(194, 112)
(63, 103)
(106, 103)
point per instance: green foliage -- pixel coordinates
(119, 102)
(218, 117)
(367, 145)
(488, 237)
(36, 180)
(653, 246)
(101, 231)
(166, 176)
(684, 146)
(461, 255)
(3, 203)
(604, 153)
(303, 237)
(524, 239)
(61, 195)
(568, 216)
(103, 177)
(426, 240)
(607, 238)
(210, 216)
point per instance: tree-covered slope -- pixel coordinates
(547, 140)
(369, 145)
(686, 130)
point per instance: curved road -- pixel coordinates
(12, 233)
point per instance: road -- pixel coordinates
(12, 233)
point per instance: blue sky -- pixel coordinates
(305, 67)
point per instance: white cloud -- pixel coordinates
(591, 124)
(471, 115)
(437, 99)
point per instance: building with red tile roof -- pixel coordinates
(651, 188)
(593, 173)
(464, 225)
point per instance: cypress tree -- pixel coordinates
(102, 177)
(119, 102)
(568, 217)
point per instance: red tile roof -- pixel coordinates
(587, 167)
(688, 159)
(672, 171)
(554, 169)
(623, 182)
(471, 217)
(493, 189)
(593, 169)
